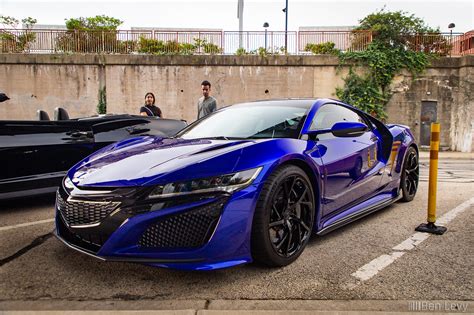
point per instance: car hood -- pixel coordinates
(151, 160)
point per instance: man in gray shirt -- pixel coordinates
(206, 104)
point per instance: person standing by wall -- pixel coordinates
(149, 109)
(206, 104)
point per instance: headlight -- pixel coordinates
(68, 184)
(224, 183)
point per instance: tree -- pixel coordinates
(390, 51)
(90, 35)
(96, 23)
(394, 29)
(15, 40)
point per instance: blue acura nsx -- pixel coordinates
(250, 182)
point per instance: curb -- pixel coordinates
(231, 307)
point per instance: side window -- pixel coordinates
(329, 114)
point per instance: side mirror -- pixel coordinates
(348, 129)
(342, 129)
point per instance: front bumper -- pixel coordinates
(201, 234)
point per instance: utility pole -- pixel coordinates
(240, 16)
(286, 26)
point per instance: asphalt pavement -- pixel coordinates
(401, 272)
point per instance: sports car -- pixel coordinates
(36, 154)
(249, 183)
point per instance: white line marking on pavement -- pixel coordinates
(412, 241)
(378, 264)
(372, 268)
(11, 227)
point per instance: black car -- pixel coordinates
(36, 154)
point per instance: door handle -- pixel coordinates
(135, 131)
(77, 135)
(81, 134)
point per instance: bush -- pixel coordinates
(207, 48)
(159, 47)
(102, 105)
(210, 48)
(90, 35)
(8, 42)
(241, 51)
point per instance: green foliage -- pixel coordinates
(385, 63)
(210, 48)
(149, 45)
(386, 56)
(29, 22)
(241, 51)
(262, 52)
(8, 42)
(326, 48)
(102, 105)
(128, 46)
(207, 48)
(159, 47)
(8, 21)
(394, 29)
(90, 35)
(16, 42)
(96, 23)
(363, 93)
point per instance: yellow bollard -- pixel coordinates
(430, 227)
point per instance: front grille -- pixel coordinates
(90, 242)
(184, 230)
(84, 212)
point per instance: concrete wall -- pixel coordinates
(73, 82)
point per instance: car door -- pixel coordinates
(37, 154)
(351, 166)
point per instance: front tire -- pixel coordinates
(284, 217)
(410, 175)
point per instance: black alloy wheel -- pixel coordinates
(284, 217)
(410, 175)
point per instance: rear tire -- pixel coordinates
(284, 217)
(410, 175)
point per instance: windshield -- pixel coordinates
(249, 122)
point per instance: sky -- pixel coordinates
(222, 14)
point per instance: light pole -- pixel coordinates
(286, 26)
(451, 26)
(240, 16)
(266, 25)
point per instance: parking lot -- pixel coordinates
(376, 259)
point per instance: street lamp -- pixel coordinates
(266, 25)
(451, 26)
(286, 26)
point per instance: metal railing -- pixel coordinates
(269, 42)
(442, 44)
(214, 42)
(343, 40)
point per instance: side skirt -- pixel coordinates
(359, 214)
